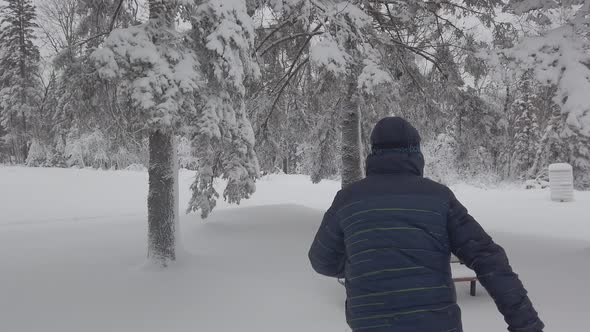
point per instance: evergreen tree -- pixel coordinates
(19, 83)
(187, 82)
(526, 126)
(153, 79)
(557, 54)
(83, 99)
(222, 132)
(525, 140)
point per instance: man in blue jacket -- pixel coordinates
(391, 236)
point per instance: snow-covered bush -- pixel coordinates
(446, 163)
(37, 154)
(74, 153)
(124, 156)
(56, 156)
(186, 155)
(90, 150)
(440, 157)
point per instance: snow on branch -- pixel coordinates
(159, 77)
(560, 57)
(520, 7)
(230, 34)
(373, 74)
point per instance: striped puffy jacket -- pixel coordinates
(391, 235)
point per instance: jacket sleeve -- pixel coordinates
(471, 244)
(327, 255)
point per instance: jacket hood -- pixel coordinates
(395, 148)
(394, 132)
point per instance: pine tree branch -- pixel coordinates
(89, 39)
(111, 27)
(459, 6)
(299, 54)
(277, 29)
(398, 40)
(288, 38)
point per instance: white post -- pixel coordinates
(561, 182)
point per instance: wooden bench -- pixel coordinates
(462, 273)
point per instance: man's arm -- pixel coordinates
(327, 251)
(471, 244)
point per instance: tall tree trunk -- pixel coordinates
(162, 198)
(352, 165)
(163, 226)
(25, 142)
(352, 170)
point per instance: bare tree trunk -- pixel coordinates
(352, 170)
(351, 150)
(162, 198)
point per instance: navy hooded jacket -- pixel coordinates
(391, 236)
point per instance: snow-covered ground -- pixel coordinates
(72, 245)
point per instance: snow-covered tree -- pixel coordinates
(327, 69)
(222, 37)
(78, 100)
(152, 65)
(526, 138)
(351, 39)
(190, 82)
(526, 126)
(558, 55)
(333, 38)
(19, 70)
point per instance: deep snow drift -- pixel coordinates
(72, 245)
